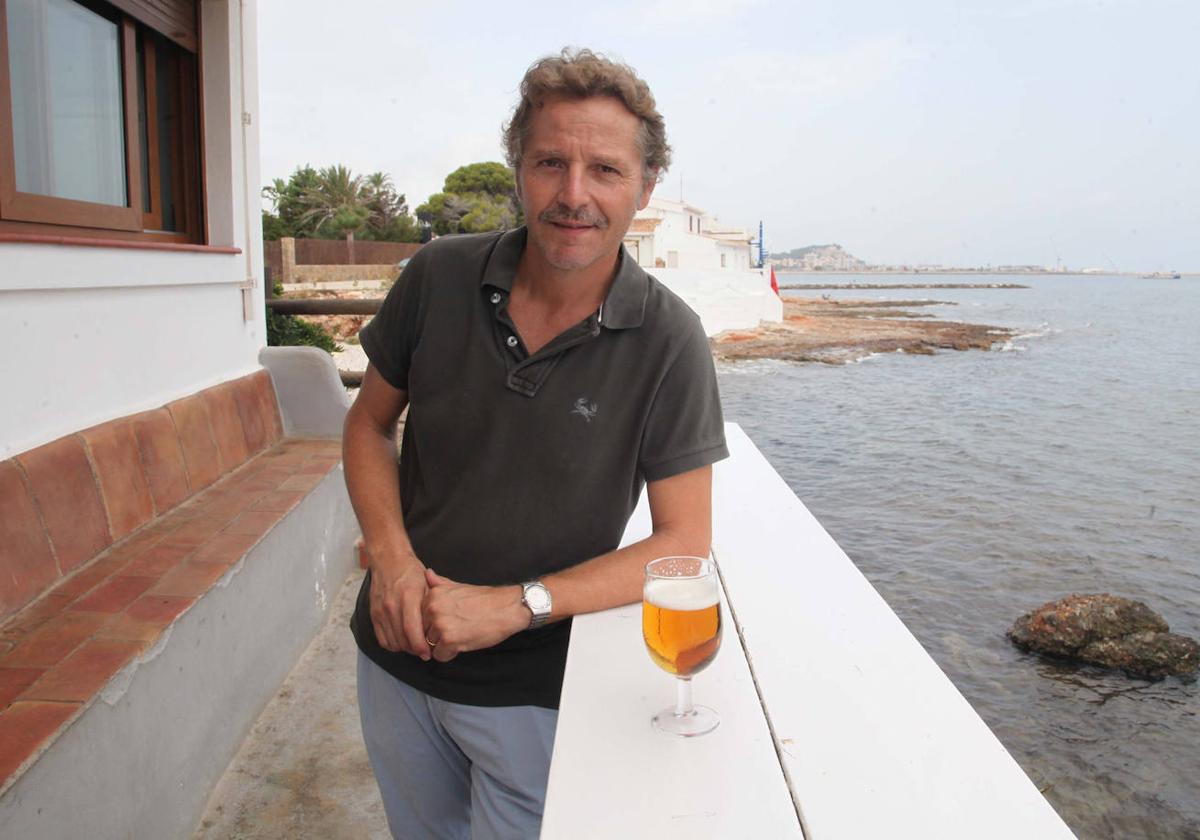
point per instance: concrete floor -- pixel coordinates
(302, 772)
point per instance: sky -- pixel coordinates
(957, 133)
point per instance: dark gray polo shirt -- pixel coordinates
(515, 466)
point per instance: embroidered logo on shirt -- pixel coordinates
(585, 409)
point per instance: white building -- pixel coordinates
(708, 264)
(675, 234)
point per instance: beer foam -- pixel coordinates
(682, 593)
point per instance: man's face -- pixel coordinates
(580, 180)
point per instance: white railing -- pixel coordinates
(835, 722)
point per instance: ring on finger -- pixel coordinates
(431, 644)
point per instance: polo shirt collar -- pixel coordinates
(625, 304)
(623, 307)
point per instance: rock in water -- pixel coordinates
(1108, 631)
(1064, 627)
(1149, 655)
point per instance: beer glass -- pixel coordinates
(681, 625)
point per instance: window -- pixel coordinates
(99, 119)
(633, 246)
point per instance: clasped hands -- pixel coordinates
(417, 611)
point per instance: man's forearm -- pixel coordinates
(372, 480)
(472, 617)
(681, 510)
(463, 617)
(616, 578)
(397, 576)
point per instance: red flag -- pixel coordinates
(774, 284)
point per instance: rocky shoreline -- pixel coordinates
(812, 330)
(876, 286)
(841, 331)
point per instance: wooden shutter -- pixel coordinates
(174, 19)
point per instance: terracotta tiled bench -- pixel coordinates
(110, 535)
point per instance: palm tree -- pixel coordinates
(382, 201)
(335, 202)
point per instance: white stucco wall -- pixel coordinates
(92, 333)
(642, 249)
(74, 358)
(736, 254)
(724, 299)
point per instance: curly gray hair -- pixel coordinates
(581, 73)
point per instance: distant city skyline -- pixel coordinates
(1023, 132)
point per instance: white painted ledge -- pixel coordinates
(612, 775)
(41, 267)
(875, 740)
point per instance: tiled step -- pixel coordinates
(60, 650)
(65, 502)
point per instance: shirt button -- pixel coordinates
(495, 297)
(512, 341)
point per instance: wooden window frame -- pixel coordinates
(152, 215)
(31, 213)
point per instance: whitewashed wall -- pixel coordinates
(736, 254)
(723, 298)
(91, 333)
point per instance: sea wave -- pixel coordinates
(1042, 331)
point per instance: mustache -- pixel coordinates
(580, 216)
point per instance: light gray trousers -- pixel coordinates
(452, 771)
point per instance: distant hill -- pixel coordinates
(818, 258)
(798, 253)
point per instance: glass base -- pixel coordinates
(698, 721)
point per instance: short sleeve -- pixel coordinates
(685, 429)
(390, 338)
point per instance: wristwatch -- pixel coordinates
(537, 597)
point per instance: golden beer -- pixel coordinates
(681, 623)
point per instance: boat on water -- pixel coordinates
(1162, 275)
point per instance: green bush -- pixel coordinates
(290, 331)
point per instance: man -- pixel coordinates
(547, 378)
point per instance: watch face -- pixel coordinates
(537, 598)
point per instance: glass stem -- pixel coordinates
(683, 697)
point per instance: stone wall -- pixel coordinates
(328, 260)
(335, 273)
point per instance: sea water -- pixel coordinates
(971, 487)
